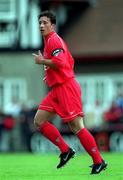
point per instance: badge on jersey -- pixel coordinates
(56, 52)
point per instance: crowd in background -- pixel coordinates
(115, 112)
(16, 125)
(16, 129)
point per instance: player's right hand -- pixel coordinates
(38, 57)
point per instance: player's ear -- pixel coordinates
(54, 26)
(39, 52)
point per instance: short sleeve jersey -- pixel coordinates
(56, 50)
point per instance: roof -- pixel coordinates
(98, 31)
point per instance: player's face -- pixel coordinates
(45, 25)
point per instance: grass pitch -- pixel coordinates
(43, 167)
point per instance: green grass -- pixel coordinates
(43, 167)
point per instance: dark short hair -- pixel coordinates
(50, 15)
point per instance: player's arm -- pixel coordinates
(39, 59)
(59, 57)
(58, 52)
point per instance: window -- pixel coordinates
(12, 87)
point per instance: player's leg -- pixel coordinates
(86, 139)
(53, 134)
(49, 130)
(89, 144)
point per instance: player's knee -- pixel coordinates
(76, 125)
(37, 122)
(75, 129)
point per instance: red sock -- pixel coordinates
(52, 133)
(88, 142)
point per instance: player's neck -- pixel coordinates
(48, 35)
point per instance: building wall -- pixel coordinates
(21, 65)
(98, 31)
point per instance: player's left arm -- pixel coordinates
(59, 57)
(58, 51)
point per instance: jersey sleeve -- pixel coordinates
(58, 52)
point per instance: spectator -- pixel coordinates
(1, 126)
(7, 133)
(119, 101)
(27, 127)
(114, 114)
(13, 107)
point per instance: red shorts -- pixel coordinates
(64, 100)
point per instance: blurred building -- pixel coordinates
(93, 32)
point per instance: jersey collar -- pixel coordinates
(49, 35)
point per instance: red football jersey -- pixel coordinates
(56, 50)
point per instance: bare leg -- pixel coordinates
(49, 130)
(52, 133)
(86, 139)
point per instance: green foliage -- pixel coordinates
(43, 167)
